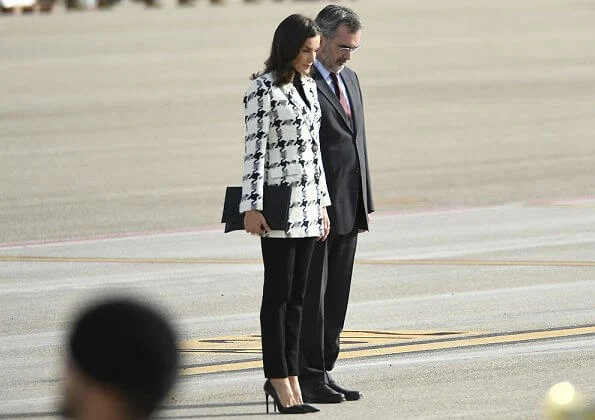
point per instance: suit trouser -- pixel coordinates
(325, 306)
(286, 265)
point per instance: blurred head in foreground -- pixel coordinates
(122, 361)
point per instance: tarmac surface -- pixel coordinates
(474, 291)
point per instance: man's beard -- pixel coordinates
(339, 67)
(334, 66)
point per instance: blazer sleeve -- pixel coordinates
(257, 108)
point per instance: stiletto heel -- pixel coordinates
(267, 400)
(269, 389)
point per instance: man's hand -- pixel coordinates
(254, 222)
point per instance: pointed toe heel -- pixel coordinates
(269, 390)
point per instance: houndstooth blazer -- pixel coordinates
(282, 148)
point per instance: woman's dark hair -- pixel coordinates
(289, 38)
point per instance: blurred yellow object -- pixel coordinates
(564, 402)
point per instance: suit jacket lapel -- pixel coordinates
(328, 93)
(352, 89)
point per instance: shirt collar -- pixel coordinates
(324, 72)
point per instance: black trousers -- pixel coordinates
(325, 306)
(286, 266)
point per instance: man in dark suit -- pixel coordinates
(345, 159)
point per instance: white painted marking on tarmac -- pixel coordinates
(84, 282)
(588, 285)
(43, 404)
(114, 237)
(480, 247)
(31, 340)
(216, 229)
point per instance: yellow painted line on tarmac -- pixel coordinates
(472, 342)
(220, 368)
(233, 346)
(143, 260)
(250, 344)
(375, 344)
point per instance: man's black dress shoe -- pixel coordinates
(321, 394)
(349, 394)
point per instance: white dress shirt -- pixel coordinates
(326, 75)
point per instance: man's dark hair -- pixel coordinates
(332, 17)
(289, 38)
(129, 347)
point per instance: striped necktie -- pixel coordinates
(342, 98)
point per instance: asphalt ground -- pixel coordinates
(464, 313)
(473, 292)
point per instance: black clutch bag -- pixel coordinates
(275, 210)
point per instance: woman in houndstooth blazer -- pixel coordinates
(282, 117)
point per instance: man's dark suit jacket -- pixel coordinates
(346, 167)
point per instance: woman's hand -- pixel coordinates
(254, 222)
(326, 225)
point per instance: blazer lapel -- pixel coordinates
(294, 98)
(328, 93)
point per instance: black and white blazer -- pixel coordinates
(282, 148)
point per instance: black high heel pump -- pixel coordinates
(269, 389)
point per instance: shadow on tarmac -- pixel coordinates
(209, 406)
